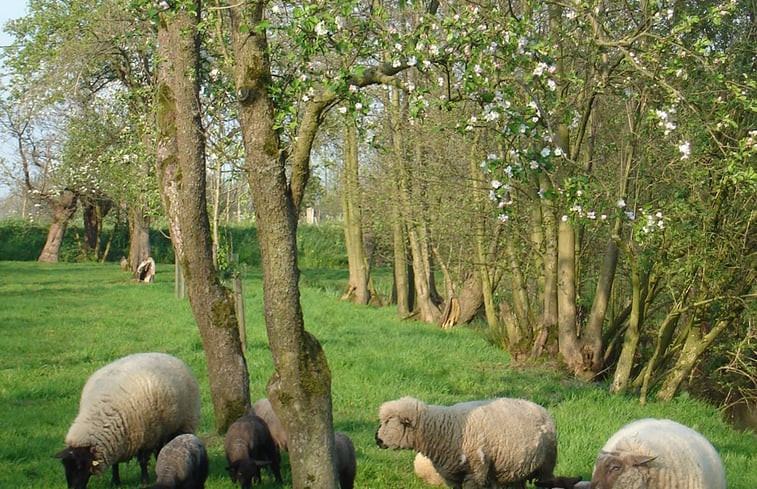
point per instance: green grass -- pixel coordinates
(59, 323)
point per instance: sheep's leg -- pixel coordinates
(144, 458)
(116, 480)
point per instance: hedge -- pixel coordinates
(319, 246)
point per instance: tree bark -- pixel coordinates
(402, 272)
(139, 236)
(357, 289)
(181, 170)
(549, 318)
(63, 210)
(94, 211)
(569, 341)
(300, 388)
(631, 339)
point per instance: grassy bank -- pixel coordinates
(61, 322)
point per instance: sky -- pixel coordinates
(10, 9)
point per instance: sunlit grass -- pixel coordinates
(59, 323)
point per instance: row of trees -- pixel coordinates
(580, 172)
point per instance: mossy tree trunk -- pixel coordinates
(300, 389)
(181, 171)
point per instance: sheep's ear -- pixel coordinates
(65, 453)
(637, 460)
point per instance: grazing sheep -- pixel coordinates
(658, 454)
(146, 270)
(182, 464)
(130, 407)
(475, 444)
(249, 446)
(426, 472)
(263, 409)
(346, 464)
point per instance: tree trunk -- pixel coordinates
(300, 389)
(357, 289)
(569, 340)
(139, 237)
(549, 312)
(631, 338)
(63, 210)
(181, 170)
(402, 272)
(592, 332)
(94, 211)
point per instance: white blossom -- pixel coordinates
(685, 150)
(321, 29)
(540, 67)
(621, 203)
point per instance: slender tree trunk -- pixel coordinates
(549, 317)
(181, 170)
(357, 289)
(592, 332)
(300, 389)
(632, 335)
(484, 274)
(63, 210)
(402, 272)
(570, 350)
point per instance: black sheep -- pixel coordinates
(250, 446)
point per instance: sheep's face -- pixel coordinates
(79, 464)
(246, 471)
(396, 432)
(618, 470)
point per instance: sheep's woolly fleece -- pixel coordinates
(665, 455)
(475, 444)
(135, 403)
(264, 410)
(183, 462)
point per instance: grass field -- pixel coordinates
(59, 323)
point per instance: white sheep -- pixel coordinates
(497, 443)
(658, 454)
(263, 409)
(424, 469)
(130, 407)
(182, 464)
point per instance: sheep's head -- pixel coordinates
(246, 470)
(80, 464)
(620, 470)
(398, 423)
